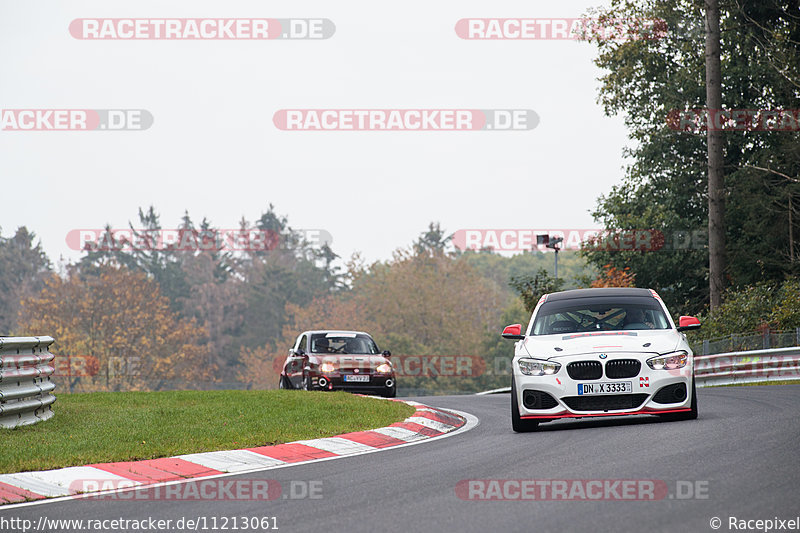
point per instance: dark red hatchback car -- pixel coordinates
(338, 360)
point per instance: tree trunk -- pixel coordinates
(791, 232)
(716, 178)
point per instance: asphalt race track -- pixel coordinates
(742, 455)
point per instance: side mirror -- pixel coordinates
(387, 353)
(686, 323)
(513, 332)
(298, 352)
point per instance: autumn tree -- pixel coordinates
(121, 319)
(615, 277)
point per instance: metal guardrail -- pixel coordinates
(737, 342)
(26, 392)
(501, 390)
(753, 366)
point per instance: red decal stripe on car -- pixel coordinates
(599, 334)
(641, 412)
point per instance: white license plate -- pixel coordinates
(357, 379)
(607, 387)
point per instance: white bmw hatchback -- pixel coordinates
(601, 352)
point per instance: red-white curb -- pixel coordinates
(426, 422)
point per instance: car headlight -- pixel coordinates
(384, 368)
(670, 361)
(327, 367)
(537, 367)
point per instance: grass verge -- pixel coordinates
(103, 427)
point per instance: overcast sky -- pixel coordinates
(213, 149)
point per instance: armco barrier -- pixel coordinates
(766, 339)
(26, 392)
(752, 366)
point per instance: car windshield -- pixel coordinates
(338, 343)
(599, 313)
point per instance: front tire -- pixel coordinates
(518, 424)
(692, 415)
(391, 393)
(307, 382)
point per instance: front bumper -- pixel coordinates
(557, 396)
(336, 381)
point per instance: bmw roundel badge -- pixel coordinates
(603, 356)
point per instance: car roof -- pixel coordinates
(593, 293)
(317, 331)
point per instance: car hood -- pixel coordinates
(351, 362)
(567, 344)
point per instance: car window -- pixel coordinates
(599, 313)
(345, 344)
(301, 343)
